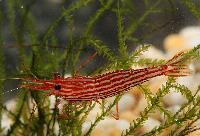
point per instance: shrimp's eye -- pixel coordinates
(57, 87)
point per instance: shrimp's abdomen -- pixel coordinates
(123, 80)
(115, 83)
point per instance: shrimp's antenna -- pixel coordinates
(13, 78)
(15, 89)
(12, 90)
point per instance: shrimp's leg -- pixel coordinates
(85, 63)
(112, 114)
(117, 110)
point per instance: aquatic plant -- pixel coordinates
(38, 56)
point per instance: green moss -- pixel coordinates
(192, 7)
(46, 56)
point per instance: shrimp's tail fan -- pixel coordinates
(178, 65)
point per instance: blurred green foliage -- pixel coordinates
(45, 56)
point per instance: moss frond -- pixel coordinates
(92, 21)
(102, 115)
(66, 12)
(2, 68)
(33, 115)
(101, 48)
(192, 7)
(133, 26)
(121, 40)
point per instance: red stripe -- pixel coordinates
(133, 78)
(120, 85)
(106, 76)
(113, 92)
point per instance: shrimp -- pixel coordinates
(93, 88)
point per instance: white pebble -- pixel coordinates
(156, 82)
(85, 127)
(191, 82)
(6, 122)
(194, 133)
(174, 98)
(150, 124)
(153, 53)
(187, 38)
(11, 105)
(126, 102)
(67, 75)
(56, 128)
(52, 100)
(191, 35)
(197, 123)
(122, 124)
(174, 43)
(110, 123)
(61, 102)
(107, 126)
(173, 109)
(94, 113)
(141, 105)
(128, 116)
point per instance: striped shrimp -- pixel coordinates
(88, 88)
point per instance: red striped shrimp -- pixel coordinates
(93, 88)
